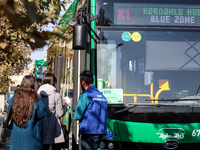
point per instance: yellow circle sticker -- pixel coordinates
(136, 36)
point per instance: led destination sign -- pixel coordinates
(156, 14)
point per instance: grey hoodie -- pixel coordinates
(50, 124)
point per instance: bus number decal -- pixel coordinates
(195, 132)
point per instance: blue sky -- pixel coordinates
(38, 55)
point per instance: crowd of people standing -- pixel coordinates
(37, 108)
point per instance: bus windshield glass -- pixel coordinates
(40, 71)
(135, 66)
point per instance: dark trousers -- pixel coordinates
(91, 141)
(51, 147)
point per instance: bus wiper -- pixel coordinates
(155, 105)
(130, 106)
(173, 100)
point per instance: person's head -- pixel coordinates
(86, 78)
(24, 100)
(38, 82)
(27, 83)
(49, 78)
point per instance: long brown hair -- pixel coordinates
(24, 100)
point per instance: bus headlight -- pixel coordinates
(102, 145)
(110, 145)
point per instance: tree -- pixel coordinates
(11, 63)
(21, 24)
(67, 53)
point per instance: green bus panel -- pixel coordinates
(112, 126)
(156, 132)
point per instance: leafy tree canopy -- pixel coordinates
(21, 32)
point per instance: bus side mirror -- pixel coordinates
(79, 36)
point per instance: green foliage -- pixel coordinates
(21, 32)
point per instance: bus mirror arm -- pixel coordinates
(83, 20)
(90, 29)
(88, 25)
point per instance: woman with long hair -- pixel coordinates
(27, 110)
(52, 133)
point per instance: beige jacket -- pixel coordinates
(50, 124)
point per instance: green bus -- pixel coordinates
(145, 57)
(40, 68)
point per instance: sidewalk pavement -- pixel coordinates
(4, 134)
(5, 143)
(1, 125)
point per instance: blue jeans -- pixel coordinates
(90, 141)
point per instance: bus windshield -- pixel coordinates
(141, 66)
(40, 71)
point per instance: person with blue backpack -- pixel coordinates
(91, 111)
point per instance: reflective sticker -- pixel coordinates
(126, 36)
(109, 135)
(136, 36)
(113, 96)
